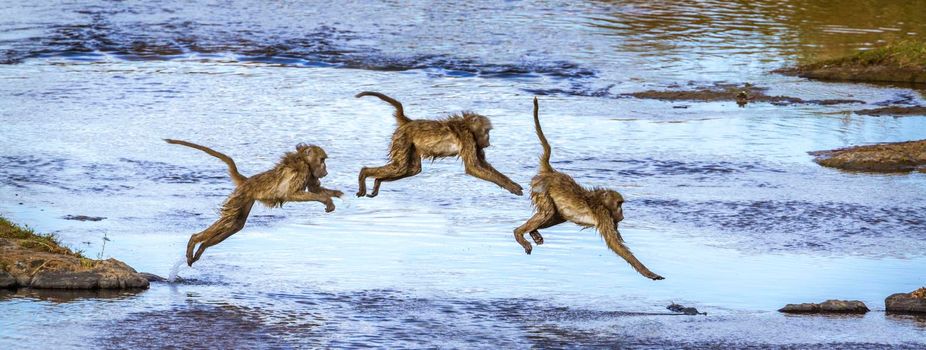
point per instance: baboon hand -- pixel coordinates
(516, 189)
(336, 193)
(653, 276)
(329, 205)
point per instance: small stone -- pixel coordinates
(800, 308)
(829, 306)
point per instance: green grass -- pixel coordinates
(908, 54)
(28, 238)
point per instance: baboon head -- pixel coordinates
(314, 157)
(613, 201)
(480, 126)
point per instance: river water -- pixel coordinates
(723, 201)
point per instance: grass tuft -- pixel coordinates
(28, 238)
(908, 54)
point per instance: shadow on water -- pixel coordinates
(374, 318)
(65, 296)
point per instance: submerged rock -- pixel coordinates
(83, 218)
(829, 306)
(152, 277)
(884, 157)
(684, 310)
(741, 94)
(914, 302)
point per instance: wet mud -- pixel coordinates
(859, 74)
(897, 111)
(741, 94)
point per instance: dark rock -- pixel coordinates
(7, 280)
(829, 306)
(684, 310)
(66, 280)
(83, 218)
(800, 308)
(152, 277)
(906, 302)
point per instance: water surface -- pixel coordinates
(723, 201)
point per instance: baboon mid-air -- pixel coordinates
(464, 135)
(295, 178)
(558, 198)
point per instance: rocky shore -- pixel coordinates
(885, 157)
(31, 260)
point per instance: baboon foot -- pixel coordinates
(537, 237)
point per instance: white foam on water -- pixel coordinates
(175, 269)
(345, 202)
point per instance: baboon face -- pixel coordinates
(480, 126)
(614, 201)
(315, 157)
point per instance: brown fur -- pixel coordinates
(558, 198)
(295, 178)
(464, 135)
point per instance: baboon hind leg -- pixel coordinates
(218, 232)
(540, 217)
(555, 220)
(414, 168)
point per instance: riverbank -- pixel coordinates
(34, 260)
(900, 62)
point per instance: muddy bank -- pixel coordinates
(903, 62)
(885, 157)
(741, 94)
(30, 260)
(896, 111)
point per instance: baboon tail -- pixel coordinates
(399, 111)
(237, 178)
(545, 157)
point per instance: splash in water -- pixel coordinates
(175, 269)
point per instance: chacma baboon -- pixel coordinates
(557, 198)
(464, 135)
(295, 178)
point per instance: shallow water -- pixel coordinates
(722, 201)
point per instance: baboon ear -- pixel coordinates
(302, 147)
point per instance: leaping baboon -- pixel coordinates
(557, 198)
(464, 135)
(295, 178)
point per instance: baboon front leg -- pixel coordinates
(608, 230)
(475, 164)
(532, 224)
(309, 196)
